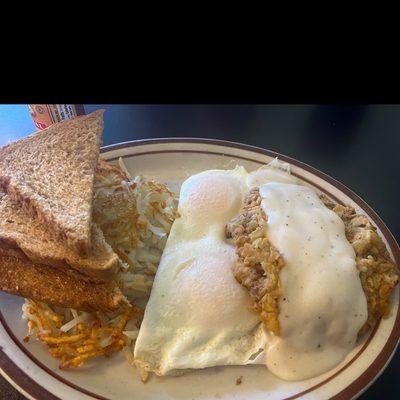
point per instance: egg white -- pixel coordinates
(198, 315)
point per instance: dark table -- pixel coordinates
(358, 145)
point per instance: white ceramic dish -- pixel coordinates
(33, 372)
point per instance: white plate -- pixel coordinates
(32, 371)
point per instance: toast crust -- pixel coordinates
(21, 277)
(51, 173)
(17, 229)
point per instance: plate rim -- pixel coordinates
(26, 385)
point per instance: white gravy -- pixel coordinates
(323, 305)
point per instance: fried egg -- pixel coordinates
(198, 315)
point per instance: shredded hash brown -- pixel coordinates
(114, 207)
(92, 338)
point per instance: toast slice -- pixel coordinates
(18, 230)
(50, 174)
(21, 277)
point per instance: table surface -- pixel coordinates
(357, 144)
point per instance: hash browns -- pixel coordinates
(92, 338)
